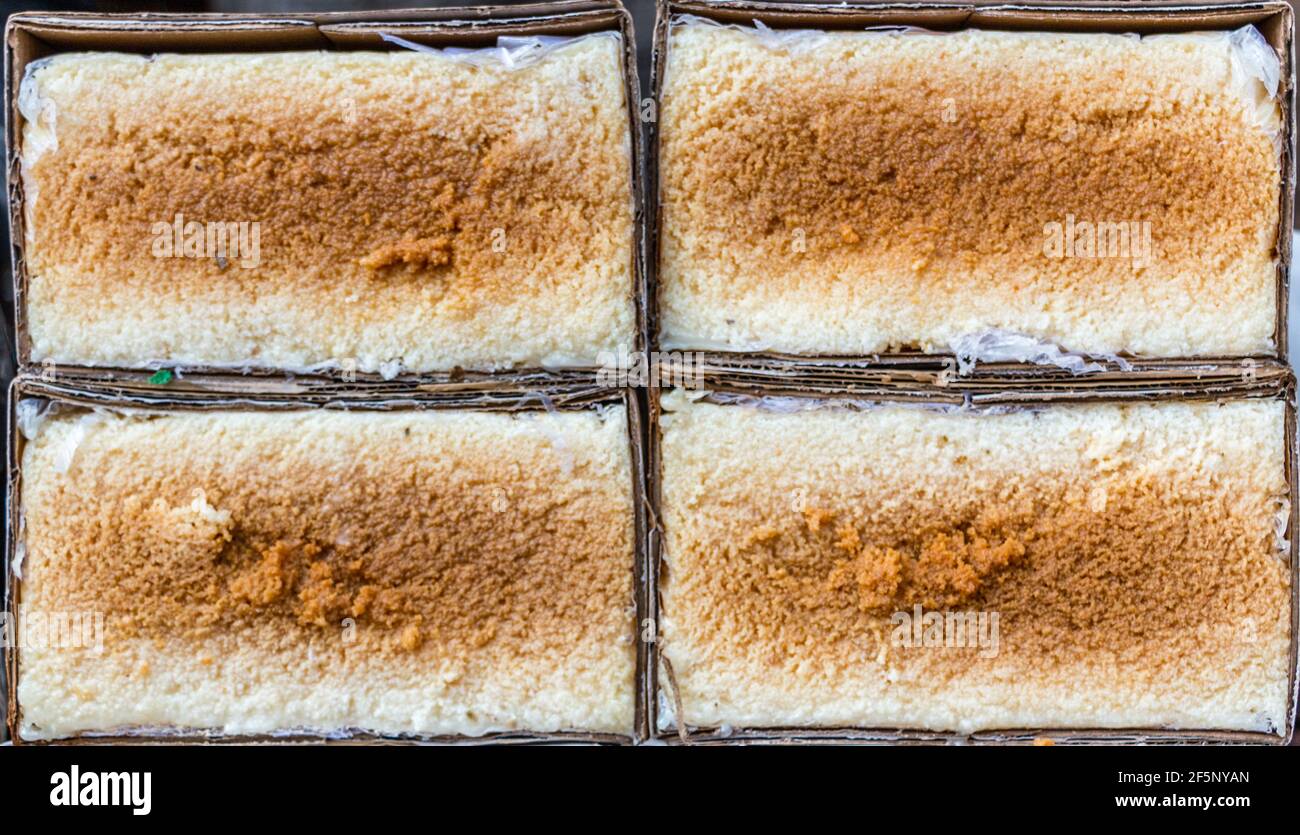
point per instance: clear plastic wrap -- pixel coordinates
(1006, 346)
(510, 52)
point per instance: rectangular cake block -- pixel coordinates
(859, 192)
(435, 572)
(372, 211)
(1085, 566)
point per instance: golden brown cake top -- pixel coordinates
(856, 192)
(1123, 549)
(388, 207)
(396, 546)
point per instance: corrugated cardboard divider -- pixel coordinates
(1272, 381)
(1274, 18)
(35, 35)
(496, 398)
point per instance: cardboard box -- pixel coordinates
(891, 378)
(1273, 382)
(1274, 18)
(496, 398)
(35, 35)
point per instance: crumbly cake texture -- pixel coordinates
(1131, 554)
(853, 193)
(431, 572)
(413, 208)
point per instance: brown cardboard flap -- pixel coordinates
(30, 38)
(271, 384)
(55, 35)
(367, 35)
(905, 375)
(1104, 17)
(827, 15)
